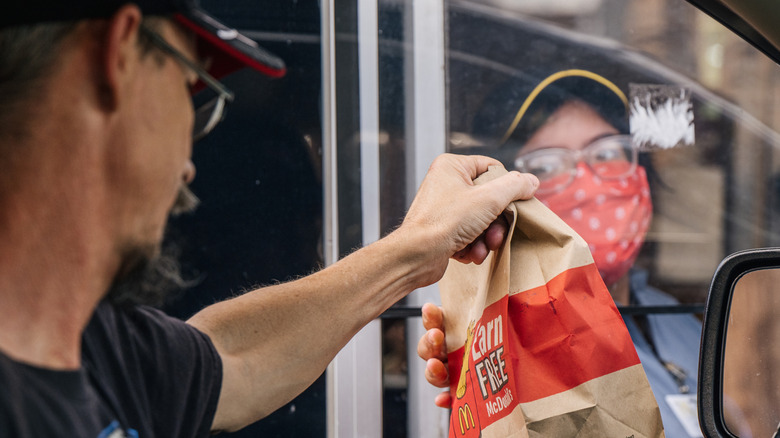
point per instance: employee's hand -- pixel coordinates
(433, 350)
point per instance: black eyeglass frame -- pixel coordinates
(214, 108)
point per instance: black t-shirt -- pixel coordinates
(143, 375)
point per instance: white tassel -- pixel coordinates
(661, 117)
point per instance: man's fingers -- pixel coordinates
(478, 164)
(463, 255)
(495, 234)
(436, 373)
(512, 186)
(478, 251)
(527, 184)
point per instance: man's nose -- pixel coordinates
(189, 172)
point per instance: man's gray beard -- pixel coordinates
(148, 276)
(148, 280)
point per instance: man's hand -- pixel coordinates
(469, 220)
(478, 250)
(453, 217)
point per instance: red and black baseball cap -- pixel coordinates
(228, 49)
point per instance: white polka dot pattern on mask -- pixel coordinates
(611, 215)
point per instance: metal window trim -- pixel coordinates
(351, 409)
(354, 377)
(427, 99)
(329, 179)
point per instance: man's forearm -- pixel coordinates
(275, 341)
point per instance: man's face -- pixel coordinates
(153, 162)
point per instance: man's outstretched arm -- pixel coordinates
(275, 341)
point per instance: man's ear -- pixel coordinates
(120, 53)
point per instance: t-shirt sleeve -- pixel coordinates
(165, 371)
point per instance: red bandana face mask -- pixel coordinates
(612, 215)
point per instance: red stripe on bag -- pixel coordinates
(555, 337)
(566, 333)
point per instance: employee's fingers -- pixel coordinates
(433, 350)
(436, 373)
(432, 317)
(431, 345)
(443, 400)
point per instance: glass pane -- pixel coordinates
(529, 75)
(259, 181)
(259, 173)
(393, 22)
(394, 36)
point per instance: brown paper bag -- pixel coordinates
(536, 346)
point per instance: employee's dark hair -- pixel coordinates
(518, 107)
(515, 109)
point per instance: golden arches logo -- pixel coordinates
(461, 391)
(465, 418)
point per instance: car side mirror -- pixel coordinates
(739, 361)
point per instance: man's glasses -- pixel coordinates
(212, 111)
(610, 157)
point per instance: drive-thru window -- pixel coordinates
(308, 167)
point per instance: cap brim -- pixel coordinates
(228, 49)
